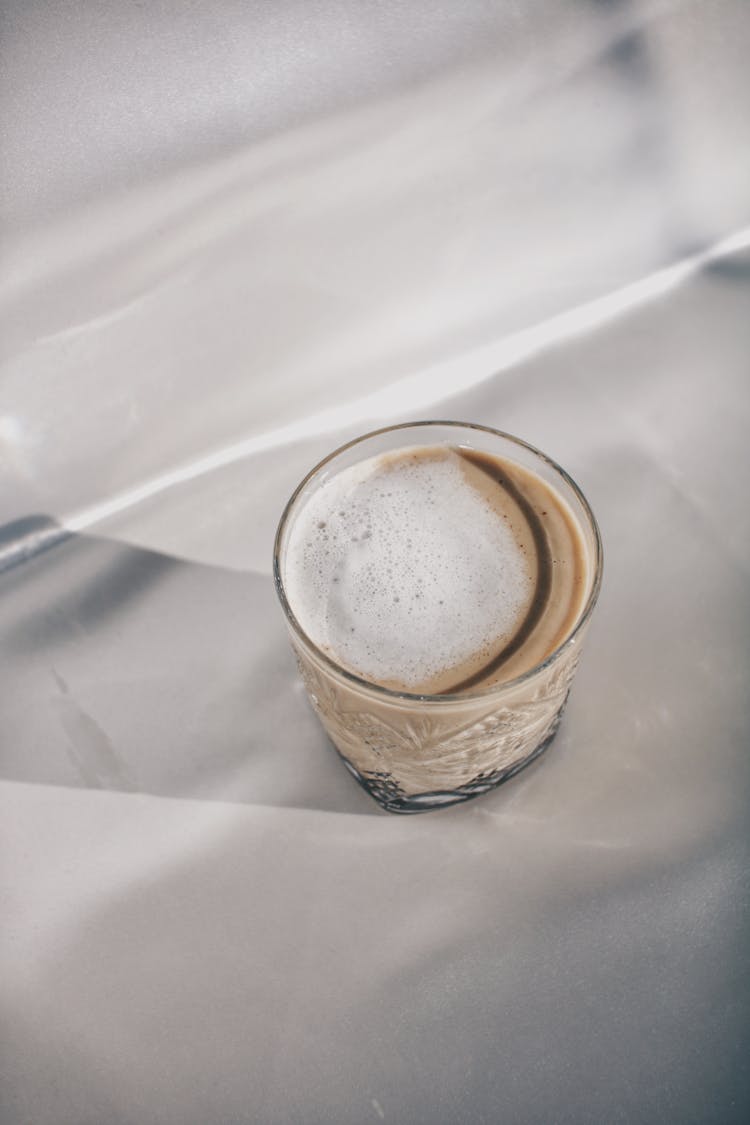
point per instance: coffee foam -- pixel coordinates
(401, 570)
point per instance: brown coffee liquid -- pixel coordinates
(546, 531)
(437, 569)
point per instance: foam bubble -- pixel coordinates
(402, 570)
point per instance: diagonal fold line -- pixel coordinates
(415, 392)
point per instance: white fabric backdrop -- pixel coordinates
(235, 235)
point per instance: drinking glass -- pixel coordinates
(413, 752)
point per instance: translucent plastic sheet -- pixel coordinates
(234, 237)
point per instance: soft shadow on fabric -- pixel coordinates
(129, 670)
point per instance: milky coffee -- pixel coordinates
(437, 579)
(436, 569)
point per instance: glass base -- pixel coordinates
(388, 794)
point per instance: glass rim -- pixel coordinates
(445, 697)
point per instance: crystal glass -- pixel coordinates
(414, 752)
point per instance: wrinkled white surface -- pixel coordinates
(234, 236)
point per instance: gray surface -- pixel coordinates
(235, 236)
